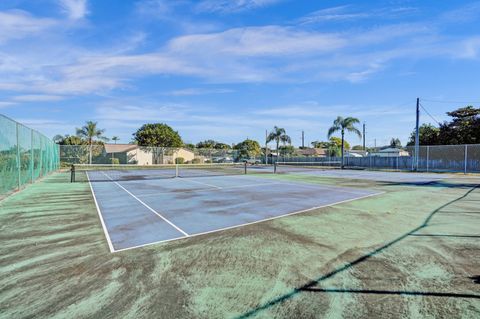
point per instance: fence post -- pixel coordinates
(428, 156)
(466, 159)
(18, 159)
(31, 155)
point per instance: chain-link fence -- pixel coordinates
(448, 158)
(25, 155)
(142, 155)
(435, 158)
(438, 158)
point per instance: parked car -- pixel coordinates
(222, 160)
(252, 161)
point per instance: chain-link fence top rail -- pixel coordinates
(25, 155)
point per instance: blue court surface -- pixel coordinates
(380, 176)
(137, 213)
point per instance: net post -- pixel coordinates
(72, 173)
(275, 167)
(245, 167)
(466, 159)
(176, 170)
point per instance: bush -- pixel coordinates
(179, 160)
(196, 161)
(115, 161)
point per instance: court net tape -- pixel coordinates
(128, 172)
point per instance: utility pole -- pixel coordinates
(303, 139)
(266, 147)
(364, 136)
(417, 135)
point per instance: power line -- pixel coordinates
(428, 113)
(445, 101)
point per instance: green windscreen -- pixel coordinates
(25, 155)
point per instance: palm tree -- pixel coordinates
(90, 132)
(285, 139)
(278, 135)
(344, 124)
(115, 139)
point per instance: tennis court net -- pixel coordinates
(129, 172)
(292, 167)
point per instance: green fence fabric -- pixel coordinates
(25, 155)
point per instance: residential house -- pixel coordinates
(140, 155)
(389, 152)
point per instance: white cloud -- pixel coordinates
(261, 54)
(75, 9)
(17, 24)
(47, 126)
(332, 14)
(198, 91)
(257, 41)
(6, 104)
(37, 98)
(229, 6)
(470, 48)
(464, 14)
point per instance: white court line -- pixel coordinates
(251, 223)
(110, 245)
(149, 208)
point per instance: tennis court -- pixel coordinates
(137, 211)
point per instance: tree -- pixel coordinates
(58, 138)
(115, 139)
(248, 149)
(395, 143)
(189, 146)
(90, 132)
(464, 128)
(333, 147)
(338, 142)
(319, 144)
(278, 135)
(428, 135)
(159, 136)
(213, 144)
(287, 150)
(206, 144)
(222, 146)
(344, 124)
(333, 150)
(68, 140)
(357, 148)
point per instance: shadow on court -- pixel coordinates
(311, 286)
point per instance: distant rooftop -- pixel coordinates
(119, 148)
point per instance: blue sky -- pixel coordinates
(229, 69)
